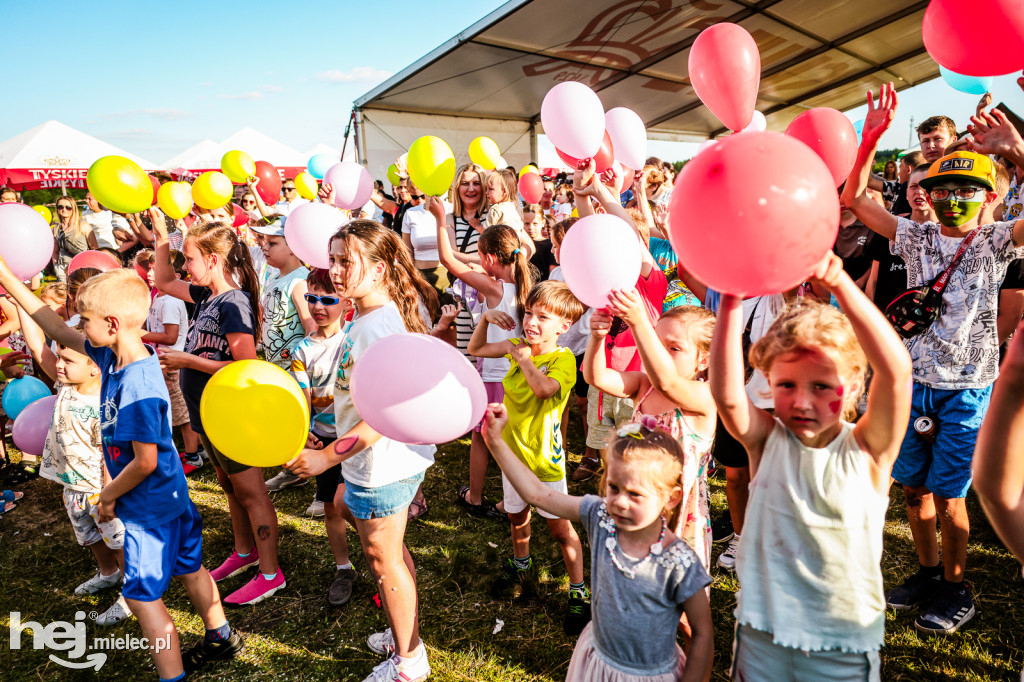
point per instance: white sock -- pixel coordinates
(343, 567)
(418, 653)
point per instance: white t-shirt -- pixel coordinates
(168, 310)
(421, 226)
(72, 455)
(386, 461)
(578, 336)
(314, 365)
(495, 369)
(102, 224)
(286, 207)
(961, 348)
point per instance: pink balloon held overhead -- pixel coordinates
(352, 184)
(829, 133)
(753, 214)
(725, 71)
(308, 231)
(414, 388)
(573, 119)
(963, 47)
(599, 254)
(628, 135)
(101, 260)
(27, 242)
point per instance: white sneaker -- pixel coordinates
(727, 559)
(382, 643)
(202, 453)
(285, 479)
(395, 669)
(316, 510)
(118, 612)
(98, 582)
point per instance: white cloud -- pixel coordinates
(360, 74)
(251, 95)
(271, 88)
(159, 114)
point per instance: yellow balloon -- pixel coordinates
(528, 168)
(393, 177)
(238, 166)
(4, 351)
(120, 184)
(255, 413)
(45, 212)
(175, 199)
(484, 152)
(305, 185)
(431, 165)
(212, 189)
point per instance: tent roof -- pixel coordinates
(634, 53)
(207, 154)
(196, 156)
(55, 145)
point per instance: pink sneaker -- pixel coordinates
(256, 590)
(234, 565)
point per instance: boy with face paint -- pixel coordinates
(955, 360)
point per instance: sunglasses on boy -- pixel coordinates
(323, 300)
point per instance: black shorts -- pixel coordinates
(728, 451)
(327, 484)
(580, 389)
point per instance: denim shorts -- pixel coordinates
(387, 500)
(152, 556)
(943, 467)
(756, 658)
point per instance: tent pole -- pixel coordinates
(534, 151)
(348, 128)
(360, 139)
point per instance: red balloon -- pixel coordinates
(531, 186)
(725, 71)
(831, 135)
(960, 47)
(269, 185)
(100, 260)
(754, 214)
(241, 217)
(604, 159)
(156, 186)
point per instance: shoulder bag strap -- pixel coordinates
(939, 285)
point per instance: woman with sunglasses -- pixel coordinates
(73, 235)
(465, 224)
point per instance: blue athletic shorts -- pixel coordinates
(152, 556)
(387, 500)
(943, 467)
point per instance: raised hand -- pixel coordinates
(880, 116)
(993, 133)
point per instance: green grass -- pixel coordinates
(297, 636)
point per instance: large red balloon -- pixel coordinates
(829, 133)
(754, 214)
(240, 217)
(960, 46)
(604, 159)
(156, 187)
(725, 71)
(269, 185)
(101, 260)
(531, 186)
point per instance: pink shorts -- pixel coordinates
(495, 394)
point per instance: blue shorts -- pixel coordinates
(152, 556)
(387, 500)
(943, 467)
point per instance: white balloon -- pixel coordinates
(758, 123)
(573, 119)
(628, 135)
(352, 184)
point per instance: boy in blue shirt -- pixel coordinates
(148, 492)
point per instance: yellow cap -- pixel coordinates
(962, 166)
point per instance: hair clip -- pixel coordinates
(649, 422)
(516, 251)
(632, 430)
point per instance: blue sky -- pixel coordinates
(156, 79)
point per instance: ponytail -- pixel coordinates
(502, 242)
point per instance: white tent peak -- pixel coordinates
(207, 154)
(201, 152)
(56, 145)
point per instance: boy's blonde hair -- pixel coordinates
(660, 458)
(815, 326)
(55, 291)
(556, 298)
(700, 324)
(118, 293)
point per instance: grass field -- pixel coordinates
(297, 636)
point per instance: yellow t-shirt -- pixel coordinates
(534, 430)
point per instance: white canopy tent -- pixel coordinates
(207, 154)
(490, 79)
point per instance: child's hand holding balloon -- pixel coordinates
(829, 273)
(600, 323)
(494, 422)
(582, 178)
(156, 218)
(626, 304)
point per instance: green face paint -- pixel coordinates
(955, 212)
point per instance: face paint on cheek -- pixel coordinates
(952, 213)
(839, 391)
(835, 405)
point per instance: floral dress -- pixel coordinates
(694, 524)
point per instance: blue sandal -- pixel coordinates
(11, 496)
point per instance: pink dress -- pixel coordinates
(694, 524)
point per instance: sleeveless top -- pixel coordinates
(694, 524)
(495, 369)
(810, 557)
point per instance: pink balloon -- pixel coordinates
(308, 231)
(629, 136)
(32, 425)
(757, 123)
(600, 253)
(240, 216)
(101, 260)
(754, 214)
(725, 71)
(27, 243)
(831, 135)
(573, 119)
(352, 184)
(414, 388)
(960, 47)
(706, 144)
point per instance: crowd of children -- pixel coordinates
(809, 399)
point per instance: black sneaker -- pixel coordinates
(204, 652)
(915, 590)
(577, 613)
(341, 587)
(951, 609)
(515, 582)
(721, 529)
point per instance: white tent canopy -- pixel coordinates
(54, 154)
(490, 79)
(207, 154)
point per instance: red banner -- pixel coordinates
(23, 179)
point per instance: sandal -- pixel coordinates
(7, 506)
(484, 510)
(11, 496)
(21, 475)
(421, 509)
